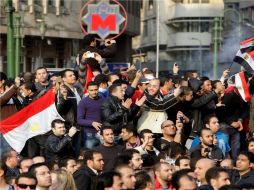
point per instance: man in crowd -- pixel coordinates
(25, 164)
(163, 175)
(89, 116)
(93, 165)
(25, 181)
(155, 105)
(69, 164)
(41, 77)
(11, 160)
(212, 122)
(109, 180)
(217, 177)
(129, 137)
(147, 139)
(244, 164)
(127, 176)
(166, 85)
(207, 148)
(201, 168)
(183, 162)
(182, 181)
(171, 134)
(108, 148)
(116, 112)
(58, 144)
(42, 174)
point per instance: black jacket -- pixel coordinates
(113, 114)
(58, 147)
(68, 108)
(215, 153)
(84, 178)
(247, 178)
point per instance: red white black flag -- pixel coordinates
(247, 45)
(246, 60)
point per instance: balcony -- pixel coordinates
(189, 40)
(194, 10)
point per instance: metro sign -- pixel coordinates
(103, 18)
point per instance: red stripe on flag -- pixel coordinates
(247, 41)
(89, 77)
(34, 108)
(252, 55)
(245, 87)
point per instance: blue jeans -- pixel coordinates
(91, 140)
(234, 138)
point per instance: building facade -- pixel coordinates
(51, 33)
(185, 28)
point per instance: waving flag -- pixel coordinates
(247, 45)
(242, 87)
(246, 60)
(33, 120)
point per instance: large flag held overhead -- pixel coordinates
(247, 45)
(33, 120)
(246, 60)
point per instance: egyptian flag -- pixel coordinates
(247, 45)
(246, 60)
(242, 87)
(33, 120)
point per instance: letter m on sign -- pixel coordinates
(109, 22)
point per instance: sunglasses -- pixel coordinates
(24, 186)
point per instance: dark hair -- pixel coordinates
(32, 169)
(176, 177)
(101, 78)
(53, 123)
(120, 81)
(26, 175)
(63, 73)
(105, 180)
(105, 128)
(250, 140)
(249, 155)
(142, 178)
(185, 90)
(122, 159)
(89, 155)
(3, 76)
(113, 88)
(178, 160)
(39, 68)
(88, 39)
(141, 134)
(214, 83)
(204, 129)
(92, 83)
(163, 80)
(174, 149)
(64, 162)
(6, 155)
(208, 118)
(130, 128)
(214, 173)
(30, 86)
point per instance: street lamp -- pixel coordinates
(200, 55)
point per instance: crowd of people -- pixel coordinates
(129, 129)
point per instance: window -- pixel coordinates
(51, 3)
(150, 4)
(141, 4)
(61, 3)
(145, 28)
(205, 1)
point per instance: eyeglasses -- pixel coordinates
(24, 186)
